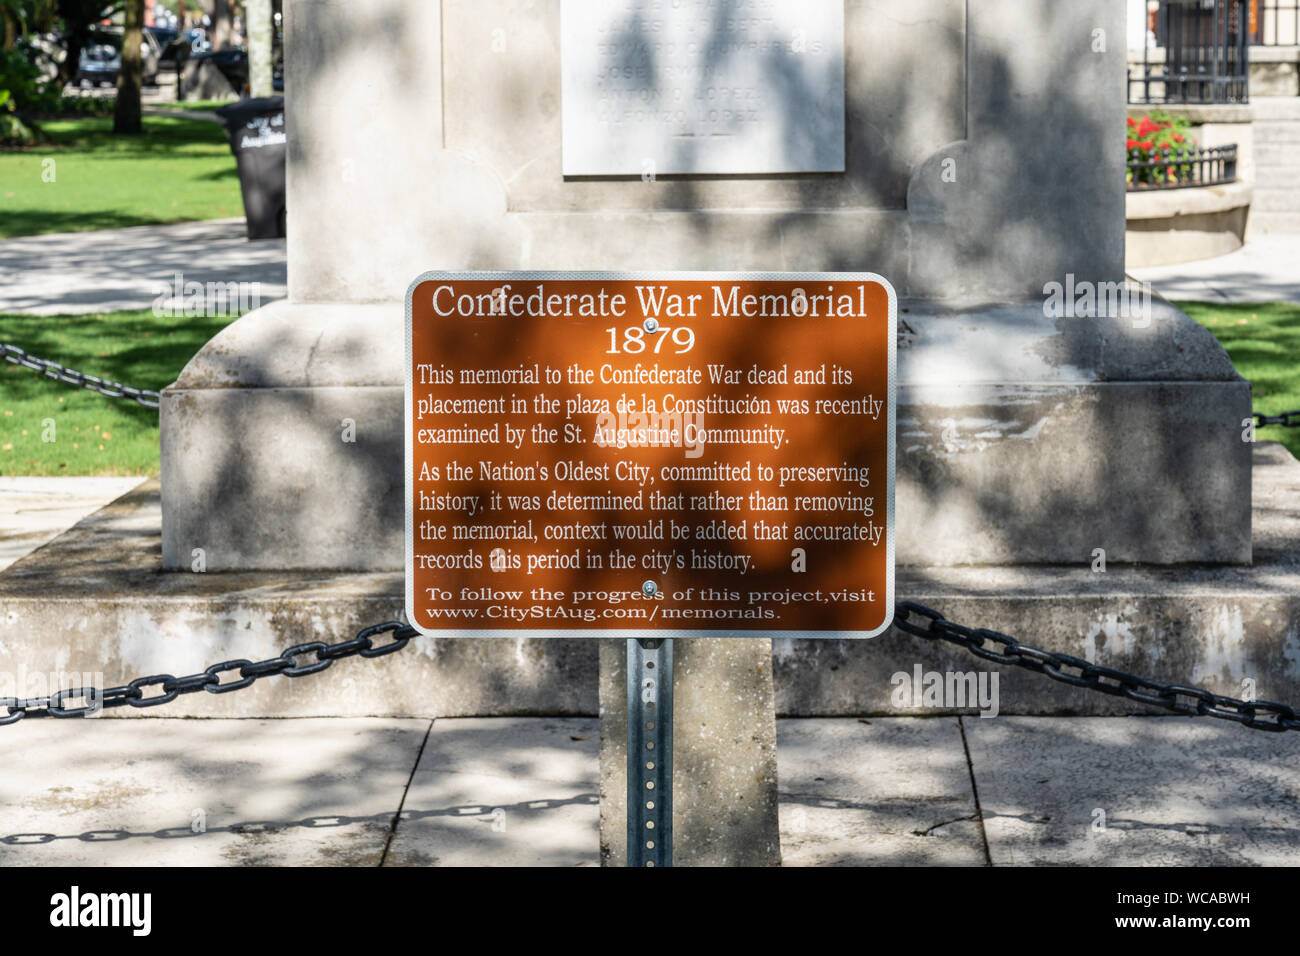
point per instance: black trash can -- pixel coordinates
(256, 129)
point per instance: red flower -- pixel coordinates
(1146, 144)
(1147, 127)
(1178, 139)
(1132, 143)
(1132, 121)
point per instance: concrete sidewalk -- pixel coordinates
(1265, 269)
(34, 511)
(523, 791)
(78, 272)
(1010, 791)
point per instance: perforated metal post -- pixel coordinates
(649, 752)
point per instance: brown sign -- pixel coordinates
(627, 454)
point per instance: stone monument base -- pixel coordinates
(97, 600)
(1023, 438)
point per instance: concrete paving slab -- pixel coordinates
(112, 269)
(36, 510)
(1136, 791)
(503, 792)
(888, 791)
(522, 791)
(1265, 269)
(276, 792)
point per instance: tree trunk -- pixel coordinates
(258, 26)
(126, 117)
(222, 27)
(11, 28)
(72, 57)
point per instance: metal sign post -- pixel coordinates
(649, 752)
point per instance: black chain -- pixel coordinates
(982, 642)
(16, 356)
(1179, 698)
(13, 709)
(1286, 419)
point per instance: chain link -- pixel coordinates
(292, 662)
(922, 621)
(16, 356)
(909, 617)
(1286, 419)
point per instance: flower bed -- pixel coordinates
(1154, 145)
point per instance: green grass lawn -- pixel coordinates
(1264, 343)
(177, 170)
(206, 106)
(93, 435)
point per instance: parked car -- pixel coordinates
(101, 59)
(99, 65)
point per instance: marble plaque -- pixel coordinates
(662, 87)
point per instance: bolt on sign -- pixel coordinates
(690, 454)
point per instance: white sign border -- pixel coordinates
(663, 276)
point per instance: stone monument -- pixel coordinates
(967, 150)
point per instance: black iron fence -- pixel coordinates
(1181, 168)
(1202, 54)
(1275, 23)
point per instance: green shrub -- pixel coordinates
(26, 95)
(13, 131)
(74, 105)
(21, 77)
